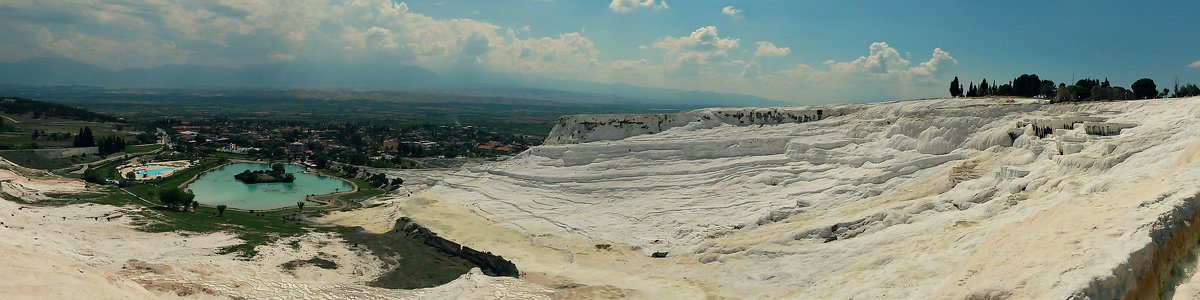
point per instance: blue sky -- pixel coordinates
(799, 51)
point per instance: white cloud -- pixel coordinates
(380, 39)
(1195, 64)
(936, 66)
(751, 70)
(628, 65)
(278, 57)
(690, 54)
(568, 53)
(147, 33)
(882, 73)
(768, 49)
(732, 12)
(885, 62)
(624, 6)
(882, 59)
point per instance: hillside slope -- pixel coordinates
(949, 198)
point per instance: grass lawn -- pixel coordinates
(25, 126)
(365, 190)
(28, 159)
(432, 269)
(131, 149)
(256, 228)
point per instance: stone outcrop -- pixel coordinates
(491, 264)
(574, 129)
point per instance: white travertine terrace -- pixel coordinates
(916, 199)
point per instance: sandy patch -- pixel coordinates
(34, 274)
(565, 263)
(35, 189)
(374, 217)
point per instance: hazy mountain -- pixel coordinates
(539, 87)
(673, 96)
(52, 71)
(61, 71)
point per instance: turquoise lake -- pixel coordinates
(219, 187)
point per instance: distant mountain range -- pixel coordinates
(60, 71)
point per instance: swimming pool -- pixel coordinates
(154, 172)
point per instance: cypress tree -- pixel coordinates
(955, 88)
(85, 138)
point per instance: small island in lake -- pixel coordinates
(275, 174)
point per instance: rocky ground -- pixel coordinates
(970, 198)
(91, 250)
(942, 198)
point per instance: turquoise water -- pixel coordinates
(219, 187)
(154, 172)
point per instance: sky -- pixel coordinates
(806, 52)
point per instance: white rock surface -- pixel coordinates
(91, 251)
(946, 197)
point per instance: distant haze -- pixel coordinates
(60, 72)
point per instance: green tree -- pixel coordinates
(379, 179)
(185, 203)
(195, 205)
(1080, 92)
(956, 88)
(300, 205)
(94, 175)
(147, 138)
(983, 88)
(1144, 88)
(85, 138)
(1027, 85)
(1087, 83)
(1187, 90)
(111, 144)
(1004, 90)
(176, 197)
(1047, 89)
(221, 210)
